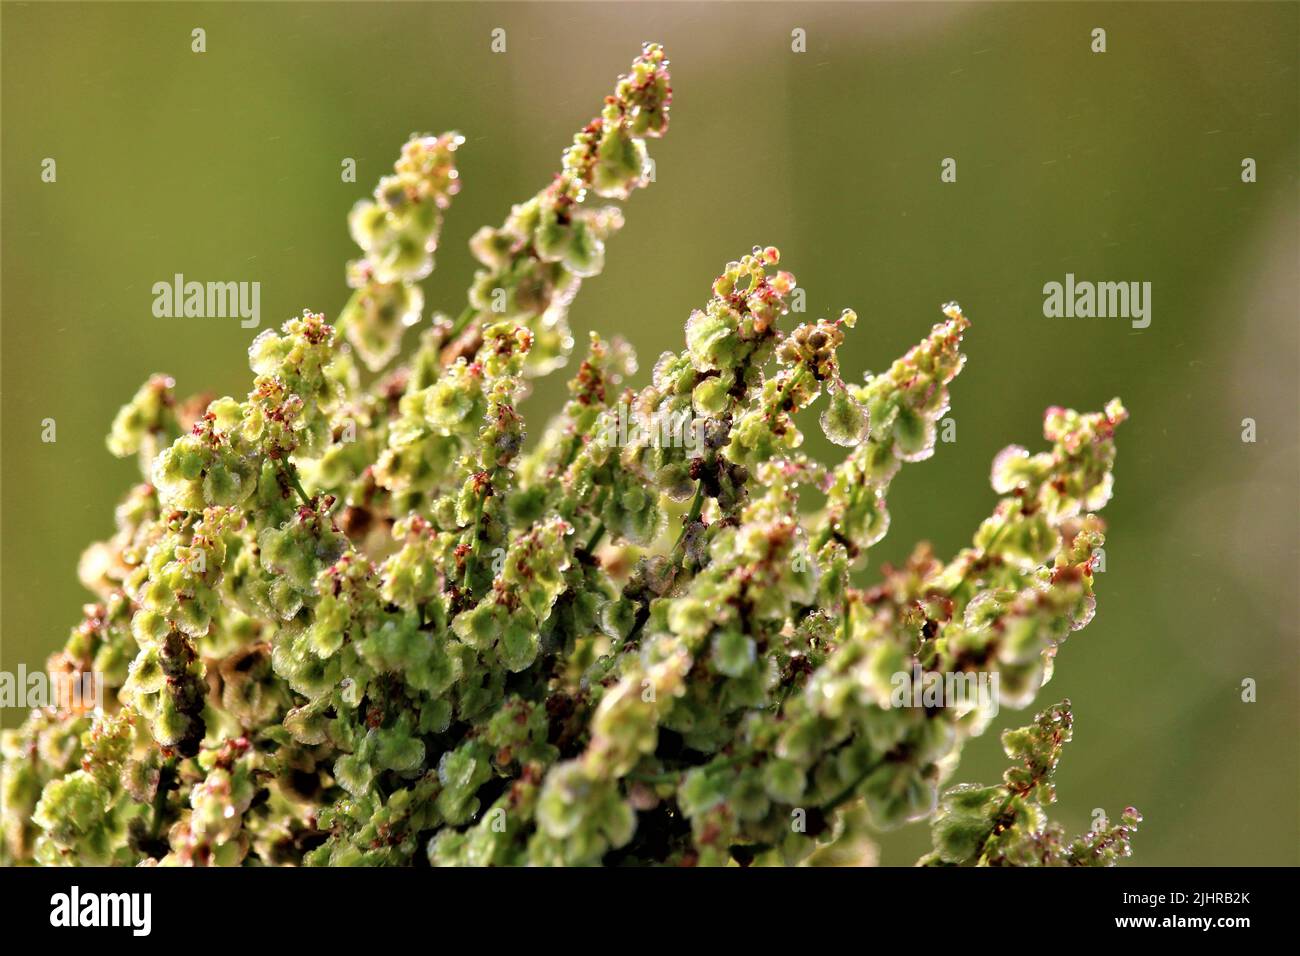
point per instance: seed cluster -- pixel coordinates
(371, 623)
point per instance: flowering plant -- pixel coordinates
(345, 623)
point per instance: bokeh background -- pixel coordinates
(1117, 166)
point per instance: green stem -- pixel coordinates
(997, 536)
(827, 531)
(165, 777)
(470, 559)
(786, 691)
(848, 792)
(643, 612)
(642, 615)
(1006, 805)
(462, 320)
(984, 551)
(599, 531)
(670, 776)
(697, 506)
(291, 475)
(785, 391)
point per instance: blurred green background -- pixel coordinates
(1116, 166)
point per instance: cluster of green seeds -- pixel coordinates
(348, 621)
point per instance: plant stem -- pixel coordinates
(291, 475)
(785, 391)
(473, 548)
(599, 531)
(669, 776)
(462, 320)
(642, 615)
(848, 792)
(984, 551)
(697, 506)
(165, 777)
(1006, 805)
(643, 612)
